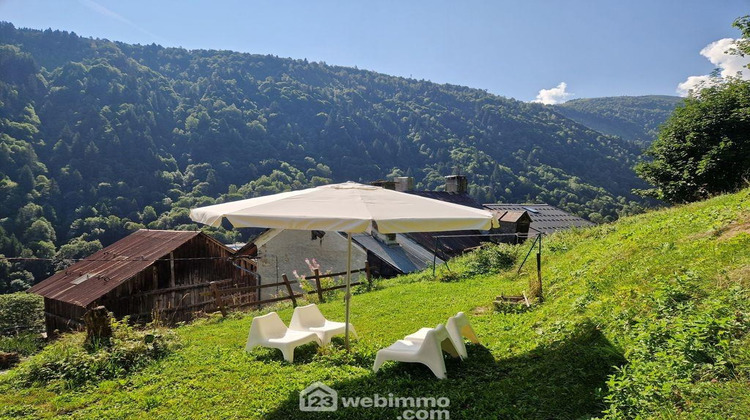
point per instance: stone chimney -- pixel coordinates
(456, 184)
(404, 183)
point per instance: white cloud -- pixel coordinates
(695, 83)
(728, 65)
(556, 95)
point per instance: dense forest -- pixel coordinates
(634, 118)
(99, 138)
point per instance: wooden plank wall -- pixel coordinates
(61, 316)
(155, 291)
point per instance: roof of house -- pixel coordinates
(544, 218)
(450, 243)
(406, 258)
(459, 240)
(87, 280)
(455, 198)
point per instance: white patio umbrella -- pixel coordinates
(349, 207)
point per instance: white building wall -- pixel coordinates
(282, 252)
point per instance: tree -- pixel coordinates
(704, 148)
(77, 248)
(743, 45)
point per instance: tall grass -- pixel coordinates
(69, 363)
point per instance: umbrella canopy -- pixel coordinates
(349, 207)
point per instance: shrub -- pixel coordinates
(367, 286)
(69, 362)
(491, 258)
(447, 276)
(21, 311)
(23, 343)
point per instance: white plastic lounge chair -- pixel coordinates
(426, 351)
(446, 344)
(269, 331)
(458, 327)
(309, 318)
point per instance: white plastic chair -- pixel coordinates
(426, 351)
(458, 327)
(309, 318)
(446, 344)
(269, 331)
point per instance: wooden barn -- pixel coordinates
(148, 273)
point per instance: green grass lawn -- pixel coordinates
(646, 317)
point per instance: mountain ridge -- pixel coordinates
(633, 118)
(113, 137)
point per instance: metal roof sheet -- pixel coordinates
(455, 198)
(544, 218)
(101, 272)
(452, 246)
(406, 258)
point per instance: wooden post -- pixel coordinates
(317, 286)
(171, 270)
(289, 289)
(98, 326)
(369, 275)
(217, 296)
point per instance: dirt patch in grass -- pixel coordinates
(479, 310)
(741, 225)
(738, 276)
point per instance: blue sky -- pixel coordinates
(510, 48)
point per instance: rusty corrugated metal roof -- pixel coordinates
(101, 272)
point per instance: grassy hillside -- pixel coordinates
(647, 316)
(634, 118)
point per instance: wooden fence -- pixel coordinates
(177, 303)
(225, 298)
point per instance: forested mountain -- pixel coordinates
(634, 118)
(99, 138)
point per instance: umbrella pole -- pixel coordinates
(348, 285)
